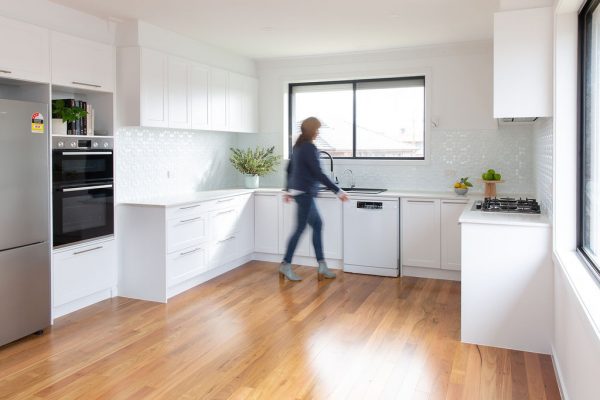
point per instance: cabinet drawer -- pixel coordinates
(224, 250)
(181, 232)
(83, 271)
(224, 222)
(185, 211)
(186, 263)
(224, 203)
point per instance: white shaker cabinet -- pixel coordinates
(420, 236)
(25, 51)
(153, 89)
(523, 68)
(246, 224)
(331, 211)
(304, 247)
(450, 233)
(242, 103)
(179, 93)
(266, 222)
(199, 96)
(218, 84)
(82, 63)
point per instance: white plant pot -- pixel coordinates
(59, 127)
(251, 181)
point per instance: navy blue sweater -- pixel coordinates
(304, 171)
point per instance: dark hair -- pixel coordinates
(308, 130)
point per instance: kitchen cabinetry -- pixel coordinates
(82, 63)
(304, 247)
(25, 51)
(166, 250)
(430, 233)
(266, 222)
(82, 275)
(523, 68)
(179, 93)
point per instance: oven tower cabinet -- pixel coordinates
(507, 285)
(165, 250)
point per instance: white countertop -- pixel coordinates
(470, 216)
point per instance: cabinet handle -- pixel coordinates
(80, 189)
(190, 220)
(87, 251)
(4, 71)
(224, 200)
(86, 84)
(225, 240)
(453, 202)
(188, 207)
(420, 201)
(225, 212)
(185, 253)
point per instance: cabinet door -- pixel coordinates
(25, 51)
(266, 223)
(245, 227)
(187, 263)
(218, 99)
(236, 96)
(82, 63)
(153, 89)
(332, 236)
(251, 106)
(182, 232)
(179, 96)
(199, 96)
(421, 233)
(289, 224)
(450, 233)
(83, 271)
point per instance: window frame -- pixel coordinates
(354, 83)
(583, 57)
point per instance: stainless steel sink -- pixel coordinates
(363, 190)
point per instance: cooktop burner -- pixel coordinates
(508, 205)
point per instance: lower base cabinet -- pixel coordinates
(83, 275)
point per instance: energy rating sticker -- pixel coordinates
(37, 123)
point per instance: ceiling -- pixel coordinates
(283, 28)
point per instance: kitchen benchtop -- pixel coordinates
(187, 198)
(470, 216)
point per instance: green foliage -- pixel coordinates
(466, 182)
(260, 161)
(67, 114)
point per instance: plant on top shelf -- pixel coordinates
(67, 114)
(254, 163)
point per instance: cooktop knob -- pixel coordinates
(73, 144)
(60, 144)
(95, 144)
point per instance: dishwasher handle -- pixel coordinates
(369, 205)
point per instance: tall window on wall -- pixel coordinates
(363, 119)
(589, 139)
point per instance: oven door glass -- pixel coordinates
(82, 213)
(77, 166)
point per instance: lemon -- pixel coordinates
(463, 186)
(457, 185)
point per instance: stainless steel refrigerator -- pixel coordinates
(24, 216)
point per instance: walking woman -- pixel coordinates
(303, 177)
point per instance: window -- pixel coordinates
(589, 135)
(363, 119)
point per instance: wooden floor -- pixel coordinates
(246, 335)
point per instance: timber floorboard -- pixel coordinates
(248, 335)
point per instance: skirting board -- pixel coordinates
(83, 302)
(359, 269)
(559, 376)
(298, 260)
(432, 273)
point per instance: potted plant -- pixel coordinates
(254, 163)
(62, 114)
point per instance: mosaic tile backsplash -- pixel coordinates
(543, 161)
(454, 154)
(160, 162)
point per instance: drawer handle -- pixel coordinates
(226, 240)
(453, 202)
(185, 253)
(188, 207)
(225, 212)
(183, 221)
(224, 200)
(5, 71)
(86, 84)
(420, 201)
(87, 251)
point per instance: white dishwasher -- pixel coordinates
(372, 236)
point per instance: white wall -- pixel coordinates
(465, 142)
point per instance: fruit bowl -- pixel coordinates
(461, 191)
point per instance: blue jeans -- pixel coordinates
(307, 213)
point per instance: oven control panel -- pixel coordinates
(79, 143)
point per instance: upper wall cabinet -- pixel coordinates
(523, 63)
(25, 51)
(160, 90)
(82, 63)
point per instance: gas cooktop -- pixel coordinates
(508, 205)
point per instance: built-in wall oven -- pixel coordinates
(83, 192)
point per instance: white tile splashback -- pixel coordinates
(152, 162)
(454, 154)
(543, 158)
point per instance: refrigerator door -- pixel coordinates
(24, 173)
(25, 289)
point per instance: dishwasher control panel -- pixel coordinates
(370, 205)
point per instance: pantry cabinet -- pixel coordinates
(82, 63)
(25, 51)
